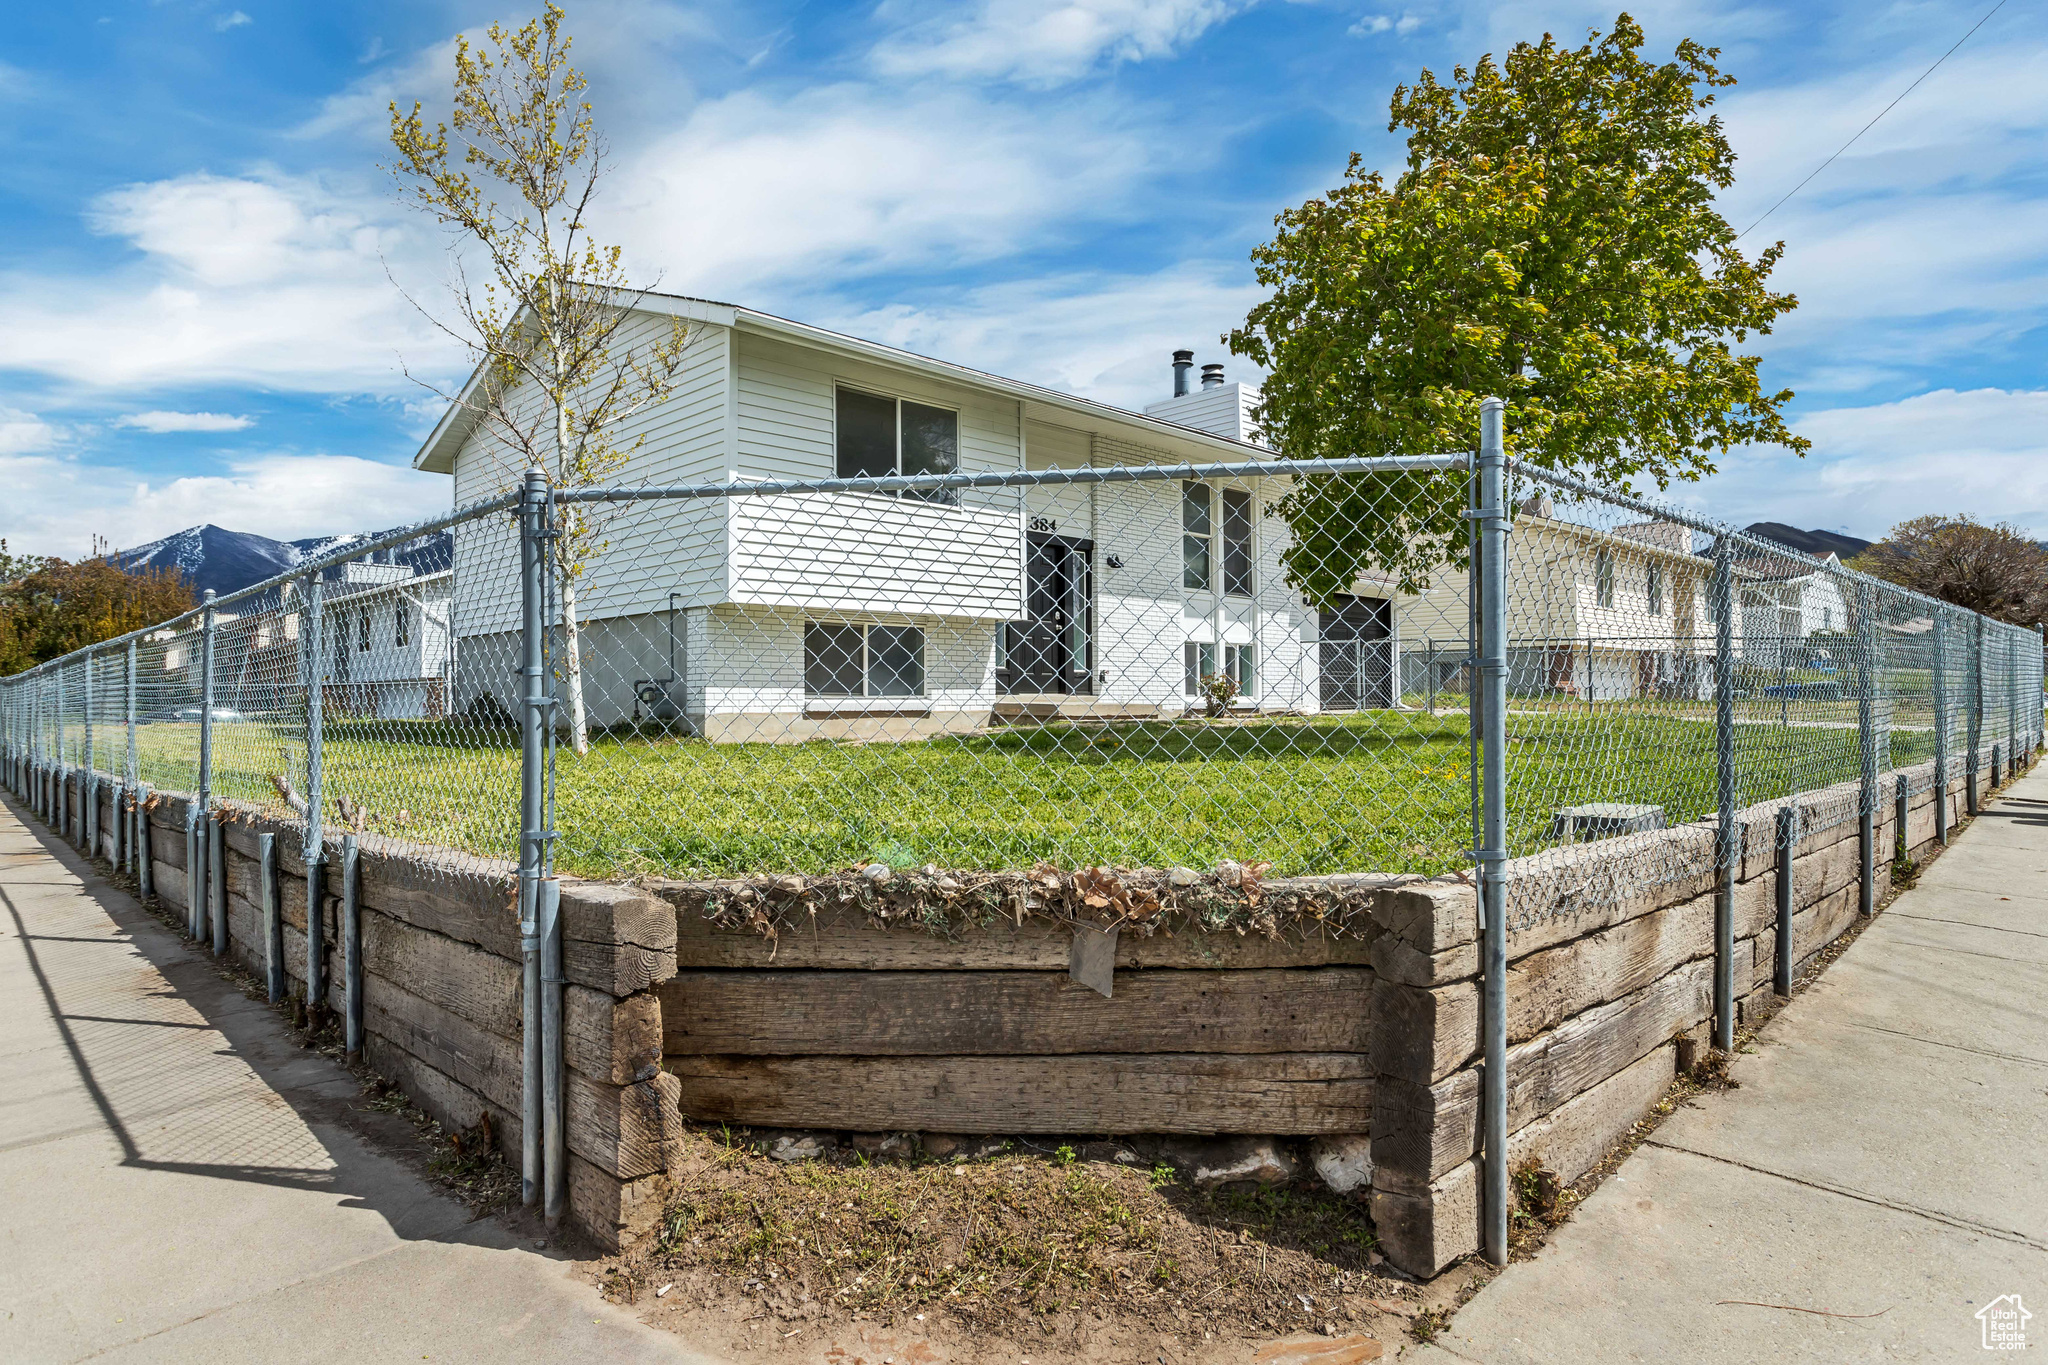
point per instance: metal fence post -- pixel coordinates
(145, 840)
(1725, 835)
(273, 917)
(1788, 838)
(1866, 731)
(1940, 685)
(88, 789)
(1976, 719)
(217, 878)
(313, 657)
(200, 884)
(555, 1158)
(1491, 854)
(133, 769)
(1900, 844)
(531, 795)
(352, 946)
(195, 877)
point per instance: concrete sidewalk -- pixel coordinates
(1886, 1155)
(182, 1182)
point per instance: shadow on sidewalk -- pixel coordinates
(184, 1071)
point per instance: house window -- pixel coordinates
(404, 631)
(1603, 578)
(363, 632)
(1237, 542)
(1197, 528)
(1827, 618)
(1654, 587)
(879, 437)
(842, 660)
(1198, 661)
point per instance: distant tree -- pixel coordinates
(49, 607)
(1997, 570)
(560, 363)
(1553, 241)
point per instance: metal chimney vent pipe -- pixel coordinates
(1212, 376)
(1183, 361)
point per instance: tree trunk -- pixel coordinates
(572, 669)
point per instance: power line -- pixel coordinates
(1873, 122)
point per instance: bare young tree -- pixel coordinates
(1995, 570)
(561, 360)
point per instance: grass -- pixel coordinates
(1380, 791)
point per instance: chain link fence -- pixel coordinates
(1133, 666)
(1437, 666)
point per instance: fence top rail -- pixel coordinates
(1571, 483)
(339, 555)
(1021, 478)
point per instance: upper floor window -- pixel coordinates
(1200, 553)
(1603, 578)
(1197, 529)
(1237, 542)
(1653, 586)
(363, 632)
(404, 628)
(879, 437)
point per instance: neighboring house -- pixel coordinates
(1783, 604)
(871, 615)
(1601, 615)
(390, 651)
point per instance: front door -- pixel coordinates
(1050, 651)
(1357, 653)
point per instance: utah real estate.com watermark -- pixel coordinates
(2005, 1323)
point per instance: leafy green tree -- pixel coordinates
(1553, 241)
(561, 360)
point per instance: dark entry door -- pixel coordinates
(1357, 653)
(1050, 650)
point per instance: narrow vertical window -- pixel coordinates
(1197, 529)
(1654, 588)
(1603, 578)
(404, 632)
(363, 632)
(1237, 542)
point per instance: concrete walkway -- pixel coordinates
(182, 1183)
(1886, 1155)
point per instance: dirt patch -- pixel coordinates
(1009, 1255)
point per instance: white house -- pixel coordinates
(871, 616)
(390, 646)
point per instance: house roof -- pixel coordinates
(437, 453)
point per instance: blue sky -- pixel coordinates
(200, 326)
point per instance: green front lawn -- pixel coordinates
(1374, 791)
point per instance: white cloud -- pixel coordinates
(1983, 452)
(224, 22)
(1106, 337)
(1045, 42)
(287, 497)
(262, 279)
(843, 179)
(158, 423)
(1385, 23)
(24, 432)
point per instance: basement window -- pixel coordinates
(846, 660)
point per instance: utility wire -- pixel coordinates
(1873, 122)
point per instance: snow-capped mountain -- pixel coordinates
(223, 560)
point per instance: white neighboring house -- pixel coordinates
(1783, 604)
(877, 616)
(390, 651)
